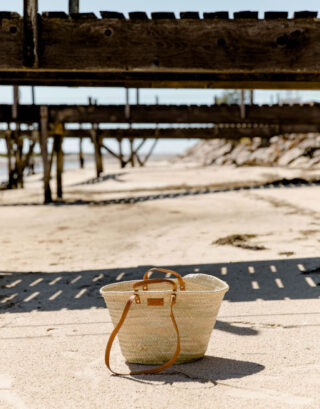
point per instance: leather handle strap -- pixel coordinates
(117, 329)
(164, 270)
(145, 283)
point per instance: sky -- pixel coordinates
(66, 95)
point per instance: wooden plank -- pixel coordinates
(217, 15)
(245, 15)
(111, 14)
(189, 52)
(269, 114)
(272, 15)
(231, 131)
(187, 44)
(274, 114)
(161, 79)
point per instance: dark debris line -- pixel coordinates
(283, 183)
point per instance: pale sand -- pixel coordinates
(264, 352)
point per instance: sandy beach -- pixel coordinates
(264, 241)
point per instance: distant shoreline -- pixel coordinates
(71, 161)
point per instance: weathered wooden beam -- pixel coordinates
(44, 153)
(271, 114)
(189, 52)
(229, 131)
(110, 151)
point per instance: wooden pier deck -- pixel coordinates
(159, 50)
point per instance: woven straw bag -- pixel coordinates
(170, 320)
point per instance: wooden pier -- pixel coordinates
(223, 121)
(212, 50)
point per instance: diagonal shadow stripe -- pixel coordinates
(248, 281)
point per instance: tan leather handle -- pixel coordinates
(117, 329)
(145, 283)
(164, 270)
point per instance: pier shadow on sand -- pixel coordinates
(283, 183)
(248, 281)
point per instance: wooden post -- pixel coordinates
(44, 153)
(28, 161)
(19, 157)
(33, 95)
(97, 150)
(18, 139)
(149, 153)
(122, 163)
(242, 106)
(30, 33)
(81, 157)
(59, 156)
(251, 97)
(73, 6)
(137, 151)
(131, 140)
(127, 106)
(9, 151)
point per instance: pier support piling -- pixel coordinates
(81, 157)
(9, 155)
(132, 152)
(96, 139)
(59, 170)
(44, 153)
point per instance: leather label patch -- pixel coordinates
(155, 301)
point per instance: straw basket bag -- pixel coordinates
(162, 320)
